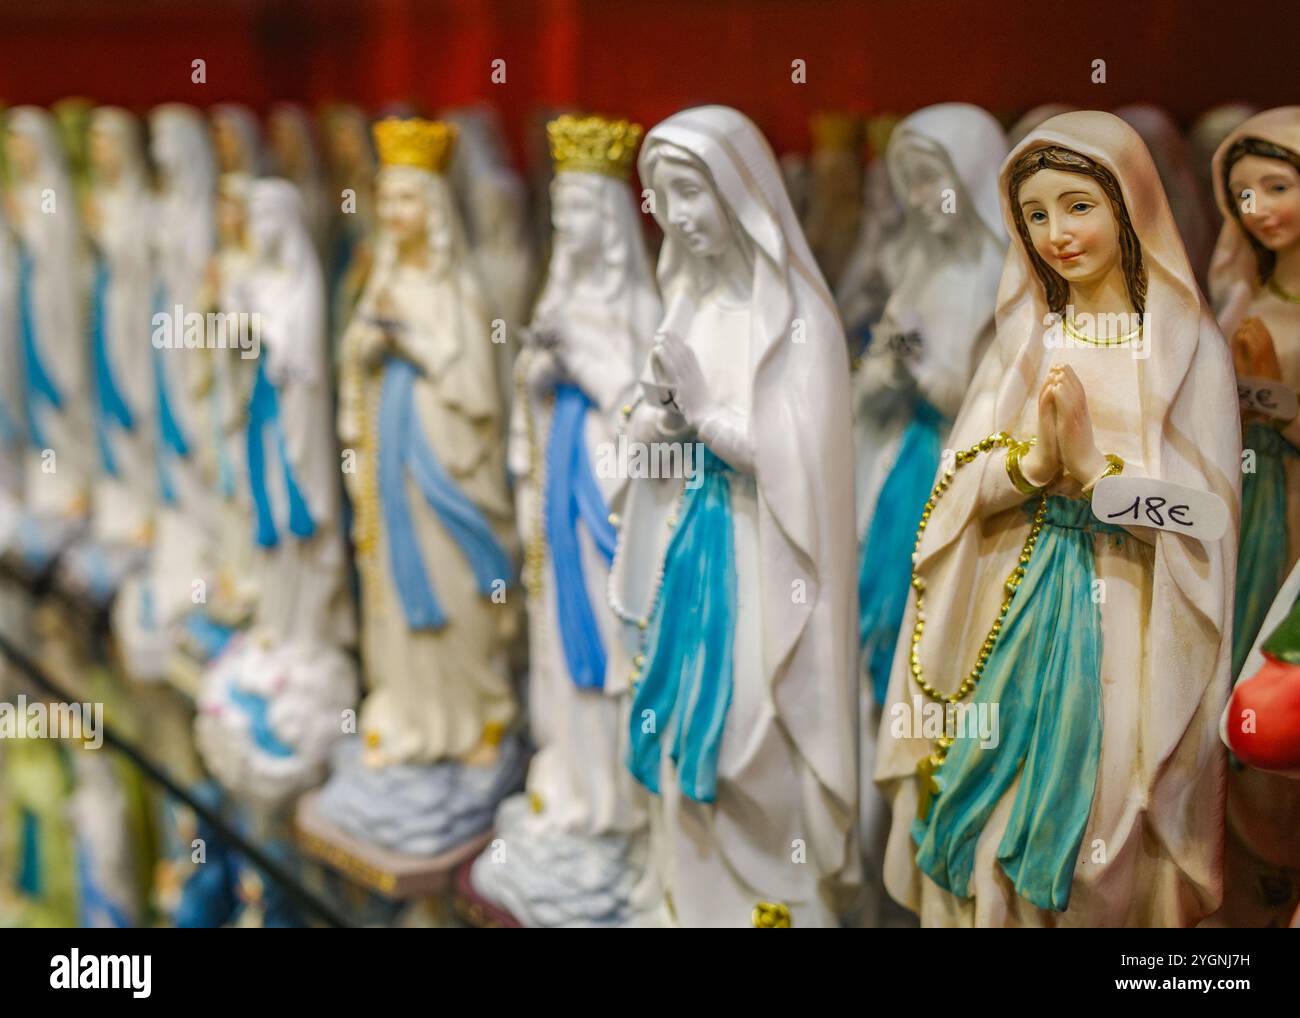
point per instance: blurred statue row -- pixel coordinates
(831, 603)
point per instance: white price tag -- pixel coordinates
(1268, 396)
(1162, 505)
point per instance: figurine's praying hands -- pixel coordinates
(1074, 436)
(679, 369)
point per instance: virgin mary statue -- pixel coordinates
(734, 579)
(576, 834)
(420, 412)
(1091, 791)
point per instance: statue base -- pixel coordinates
(550, 878)
(477, 910)
(391, 874)
(419, 809)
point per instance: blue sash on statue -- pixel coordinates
(1261, 557)
(171, 439)
(885, 560)
(1045, 676)
(38, 386)
(110, 405)
(403, 452)
(264, 413)
(572, 494)
(687, 680)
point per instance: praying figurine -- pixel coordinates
(271, 705)
(576, 840)
(1255, 279)
(908, 384)
(732, 582)
(1075, 669)
(422, 428)
(152, 611)
(117, 221)
(52, 363)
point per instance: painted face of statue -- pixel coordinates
(403, 211)
(693, 210)
(21, 152)
(1268, 193)
(928, 183)
(1071, 224)
(105, 152)
(576, 217)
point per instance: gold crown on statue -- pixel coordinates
(593, 145)
(424, 144)
(841, 131)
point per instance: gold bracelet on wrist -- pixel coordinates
(1114, 465)
(1018, 478)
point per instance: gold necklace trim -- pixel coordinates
(1079, 337)
(1275, 288)
(926, 769)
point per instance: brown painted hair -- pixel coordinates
(1056, 157)
(1265, 260)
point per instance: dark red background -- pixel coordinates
(646, 58)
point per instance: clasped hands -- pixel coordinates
(677, 367)
(379, 333)
(1065, 437)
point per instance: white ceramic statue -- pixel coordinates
(421, 421)
(272, 704)
(575, 841)
(117, 221)
(909, 383)
(733, 581)
(52, 363)
(149, 612)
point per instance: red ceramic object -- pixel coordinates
(1273, 696)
